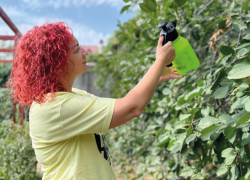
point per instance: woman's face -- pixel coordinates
(77, 63)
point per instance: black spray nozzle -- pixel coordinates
(163, 25)
(174, 22)
(168, 30)
(171, 26)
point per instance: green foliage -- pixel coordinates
(17, 157)
(4, 73)
(196, 127)
(5, 68)
(148, 5)
(5, 104)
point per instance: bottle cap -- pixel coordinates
(168, 30)
(172, 34)
(163, 25)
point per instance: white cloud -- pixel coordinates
(25, 21)
(66, 3)
(88, 36)
(13, 11)
(5, 30)
(85, 35)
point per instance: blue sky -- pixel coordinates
(91, 20)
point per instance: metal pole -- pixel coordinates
(7, 20)
(6, 61)
(6, 50)
(7, 37)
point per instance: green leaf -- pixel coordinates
(180, 3)
(176, 145)
(226, 119)
(163, 139)
(218, 79)
(234, 171)
(242, 178)
(247, 37)
(242, 52)
(222, 24)
(206, 122)
(184, 116)
(189, 131)
(175, 148)
(229, 154)
(186, 172)
(166, 91)
(245, 6)
(237, 104)
(194, 93)
(205, 111)
(232, 6)
(222, 170)
(190, 138)
(221, 92)
(150, 4)
(243, 156)
(247, 106)
(208, 131)
(245, 45)
(226, 50)
(243, 86)
(126, 1)
(243, 119)
(171, 143)
(247, 176)
(245, 139)
(229, 132)
(232, 139)
(239, 72)
(144, 7)
(239, 25)
(225, 59)
(181, 100)
(125, 8)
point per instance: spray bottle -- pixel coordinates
(186, 59)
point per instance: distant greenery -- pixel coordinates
(5, 67)
(4, 73)
(196, 127)
(17, 157)
(5, 104)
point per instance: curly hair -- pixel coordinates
(40, 63)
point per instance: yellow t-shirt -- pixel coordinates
(66, 136)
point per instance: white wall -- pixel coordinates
(86, 82)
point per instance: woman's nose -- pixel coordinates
(85, 53)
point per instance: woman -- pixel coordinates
(66, 124)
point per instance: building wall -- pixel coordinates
(86, 82)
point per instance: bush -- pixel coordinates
(196, 127)
(5, 104)
(17, 157)
(4, 73)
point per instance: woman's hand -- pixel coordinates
(165, 54)
(169, 73)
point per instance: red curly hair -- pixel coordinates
(40, 63)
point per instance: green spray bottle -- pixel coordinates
(186, 59)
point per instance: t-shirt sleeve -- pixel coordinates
(86, 114)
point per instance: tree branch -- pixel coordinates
(240, 24)
(200, 11)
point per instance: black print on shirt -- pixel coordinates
(100, 139)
